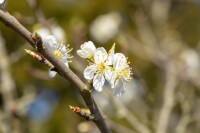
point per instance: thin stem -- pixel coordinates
(12, 23)
(168, 101)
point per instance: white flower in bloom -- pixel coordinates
(87, 50)
(59, 50)
(120, 74)
(97, 70)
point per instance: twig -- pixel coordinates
(33, 4)
(150, 42)
(160, 12)
(7, 89)
(119, 128)
(168, 94)
(187, 107)
(131, 118)
(12, 23)
(85, 113)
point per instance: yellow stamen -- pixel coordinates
(101, 68)
(57, 53)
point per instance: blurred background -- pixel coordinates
(160, 39)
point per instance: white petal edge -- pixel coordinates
(119, 61)
(98, 82)
(110, 77)
(111, 54)
(119, 89)
(87, 50)
(50, 41)
(52, 74)
(66, 62)
(90, 71)
(90, 47)
(62, 48)
(82, 53)
(2, 1)
(108, 74)
(100, 55)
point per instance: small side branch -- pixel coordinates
(168, 95)
(85, 113)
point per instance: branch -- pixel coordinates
(131, 118)
(7, 90)
(12, 23)
(168, 101)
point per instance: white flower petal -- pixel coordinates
(2, 1)
(66, 62)
(89, 72)
(108, 74)
(50, 42)
(87, 50)
(82, 53)
(119, 88)
(42, 31)
(110, 77)
(119, 61)
(62, 48)
(52, 74)
(111, 53)
(89, 46)
(98, 82)
(113, 79)
(100, 55)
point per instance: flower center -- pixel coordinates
(125, 73)
(57, 53)
(101, 67)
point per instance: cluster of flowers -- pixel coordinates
(103, 66)
(110, 66)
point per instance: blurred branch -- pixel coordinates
(34, 5)
(187, 106)
(12, 23)
(120, 128)
(184, 121)
(131, 118)
(168, 99)
(7, 89)
(150, 42)
(160, 12)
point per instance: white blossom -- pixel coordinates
(58, 49)
(97, 70)
(87, 50)
(120, 74)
